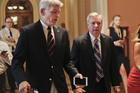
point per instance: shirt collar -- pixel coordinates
(43, 24)
(93, 38)
(7, 28)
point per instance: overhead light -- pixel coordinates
(10, 7)
(21, 7)
(14, 7)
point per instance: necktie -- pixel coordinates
(99, 69)
(51, 42)
(11, 35)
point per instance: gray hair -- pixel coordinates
(93, 14)
(47, 3)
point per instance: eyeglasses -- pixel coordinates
(9, 22)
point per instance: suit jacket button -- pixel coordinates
(52, 67)
(50, 79)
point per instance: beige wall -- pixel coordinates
(130, 16)
(75, 17)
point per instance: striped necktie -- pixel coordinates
(51, 42)
(99, 68)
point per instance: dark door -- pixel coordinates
(20, 11)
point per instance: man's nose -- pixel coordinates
(57, 15)
(96, 25)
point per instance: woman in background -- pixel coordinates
(118, 35)
(133, 82)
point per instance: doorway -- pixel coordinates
(21, 11)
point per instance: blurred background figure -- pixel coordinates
(10, 36)
(133, 82)
(118, 35)
(5, 60)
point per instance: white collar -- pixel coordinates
(43, 24)
(93, 38)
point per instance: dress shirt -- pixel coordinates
(45, 27)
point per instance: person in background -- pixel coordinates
(45, 48)
(133, 82)
(5, 60)
(93, 56)
(118, 35)
(10, 35)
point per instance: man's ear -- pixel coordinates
(42, 11)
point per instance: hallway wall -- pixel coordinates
(130, 16)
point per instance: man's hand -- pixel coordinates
(24, 87)
(11, 39)
(78, 75)
(116, 89)
(79, 90)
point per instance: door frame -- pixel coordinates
(3, 12)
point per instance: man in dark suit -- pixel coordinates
(92, 54)
(45, 48)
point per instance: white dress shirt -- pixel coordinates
(45, 30)
(99, 42)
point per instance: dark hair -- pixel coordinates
(7, 18)
(139, 33)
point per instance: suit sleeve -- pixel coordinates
(19, 58)
(74, 58)
(68, 63)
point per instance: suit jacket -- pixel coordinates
(42, 70)
(83, 57)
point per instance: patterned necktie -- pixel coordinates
(99, 69)
(51, 42)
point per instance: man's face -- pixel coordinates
(51, 15)
(95, 25)
(9, 23)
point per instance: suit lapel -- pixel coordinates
(89, 46)
(41, 35)
(56, 34)
(103, 49)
